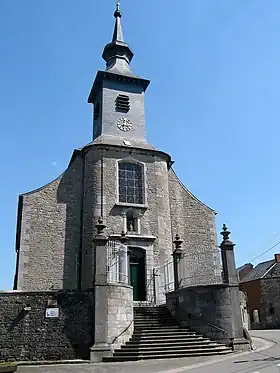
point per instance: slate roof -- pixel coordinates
(259, 271)
(274, 271)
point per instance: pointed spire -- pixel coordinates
(118, 34)
(117, 54)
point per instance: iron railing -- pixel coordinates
(117, 265)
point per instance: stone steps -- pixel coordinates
(155, 321)
(158, 317)
(161, 351)
(176, 355)
(169, 347)
(180, 340)
(164, 328)
(158, 336)
(165, 334)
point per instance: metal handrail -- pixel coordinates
(218, 328)
(114, 340)
(231, 339)
(209, 323)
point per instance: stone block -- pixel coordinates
(98, 351)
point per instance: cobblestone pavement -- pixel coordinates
(195, 364)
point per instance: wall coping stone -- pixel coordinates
(222, 285)
(135, 236)
(120, 285)
(47, 292)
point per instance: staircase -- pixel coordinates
(158, 336)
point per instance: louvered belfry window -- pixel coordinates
(122, 103)
(130, 183)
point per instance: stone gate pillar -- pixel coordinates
(177, 254)
(230, 279)
(113, 299)
(101, 346)
(228, 260)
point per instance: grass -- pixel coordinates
(8, 364)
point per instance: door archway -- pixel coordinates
(137, 273)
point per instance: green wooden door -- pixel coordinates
(134, 279)
(138, 274)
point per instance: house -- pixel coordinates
(262, 286)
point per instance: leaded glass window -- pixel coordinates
(130, 183)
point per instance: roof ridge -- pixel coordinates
(259, 271)
(269, 269)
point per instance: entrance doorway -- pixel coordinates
(137, 272)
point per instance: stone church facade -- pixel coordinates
(124, 179)
(116, 244)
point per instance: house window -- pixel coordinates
(131, 183)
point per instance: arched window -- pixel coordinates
(130, 183)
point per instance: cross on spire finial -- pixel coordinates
(118, 9)
(117, 54)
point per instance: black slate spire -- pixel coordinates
(117, 54)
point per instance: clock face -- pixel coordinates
(124, 124)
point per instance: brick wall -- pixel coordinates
(29, 335)
(253, 291)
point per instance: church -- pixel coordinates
(108, 224)
(125, 180)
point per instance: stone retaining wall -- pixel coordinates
(120, 314)
(27, 334)
(212, 310)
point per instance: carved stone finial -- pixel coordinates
(100, 226)
(178, 242)
(123, 238)
(225, 233)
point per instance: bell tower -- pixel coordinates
(118, 95)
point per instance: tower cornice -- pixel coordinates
(106, 75)
(136, 149)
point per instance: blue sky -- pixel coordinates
(213, 103)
